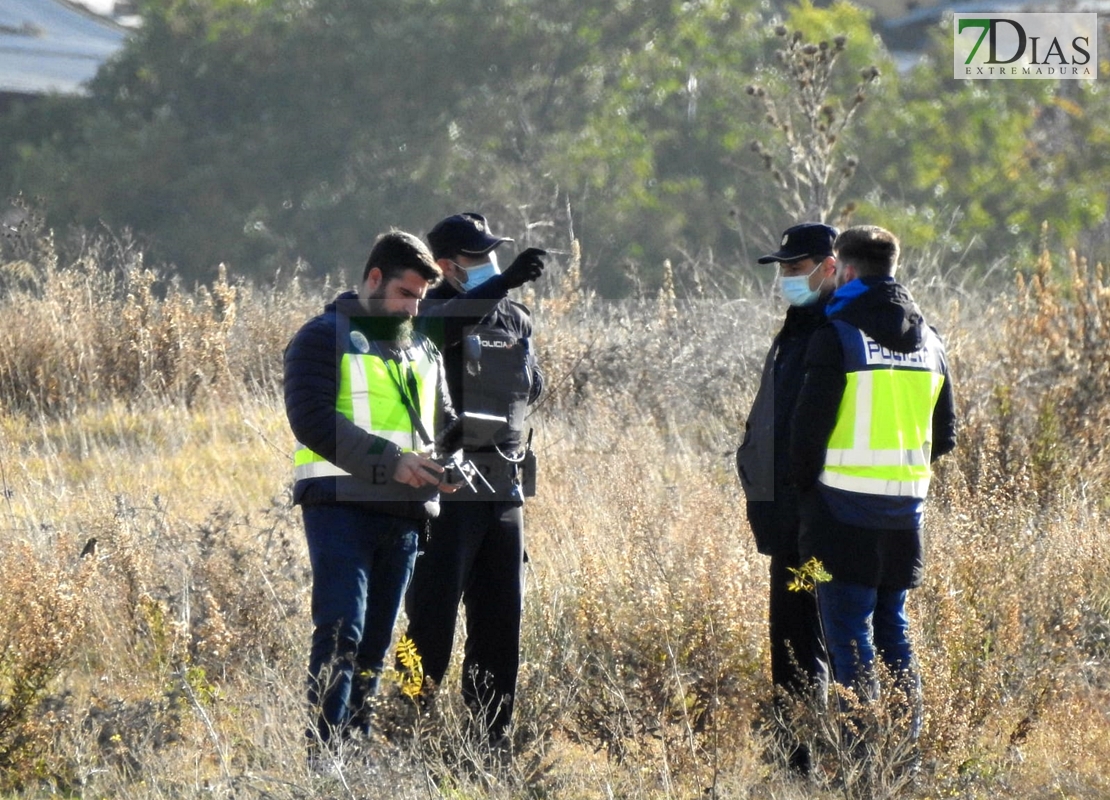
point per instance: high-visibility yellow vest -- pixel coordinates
(370, 396)
(882, 440)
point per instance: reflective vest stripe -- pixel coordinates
(317, 469)
(308, 464)
(888, 488)
(877, 458)
(865, 389)
(359, 393)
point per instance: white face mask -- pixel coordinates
(795, 289)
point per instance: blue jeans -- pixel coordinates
(859, 620)
(361, 564)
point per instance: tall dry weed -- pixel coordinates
(646, 618)
(103, 326)
(1033, 396)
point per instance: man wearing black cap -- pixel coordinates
(475, 550)
(807, 277)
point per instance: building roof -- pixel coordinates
(52, 46)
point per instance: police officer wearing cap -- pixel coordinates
(807, 277)
(475, 549)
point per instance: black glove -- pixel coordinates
(526, 267)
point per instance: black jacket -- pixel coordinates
(499, 375)
(886, 312)
(762, 459)
(312, 374)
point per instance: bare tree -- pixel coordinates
(805, 126)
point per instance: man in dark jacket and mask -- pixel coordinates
(475, 551)
(807, 276)
(875, 410)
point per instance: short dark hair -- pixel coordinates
(396, 251)
(871, 250)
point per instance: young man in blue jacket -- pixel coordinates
(875, 410)
(364, 395)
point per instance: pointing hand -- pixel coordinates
(528, 266)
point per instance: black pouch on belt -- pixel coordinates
(528, 470)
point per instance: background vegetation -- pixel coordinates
(154, 610)
(155, 619)
(258, 132)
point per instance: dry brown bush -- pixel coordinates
(45, 613)
(105, 327)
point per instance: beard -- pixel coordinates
(382, 326)
(402, 329)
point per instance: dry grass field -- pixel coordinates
(154, 594)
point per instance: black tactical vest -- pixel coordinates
(496, 378)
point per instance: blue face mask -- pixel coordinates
(478, 274)
(795, 289)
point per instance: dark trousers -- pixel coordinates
(361, 563)
(474, 554)
(799, 666)
(798, 661)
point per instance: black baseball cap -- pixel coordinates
(463, 234)
(807, 240)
